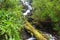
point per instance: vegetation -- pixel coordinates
(10, 19)
(36, 33)
(46, 10)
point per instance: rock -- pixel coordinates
(31, 38)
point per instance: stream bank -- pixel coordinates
(48, 32)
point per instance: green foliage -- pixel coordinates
(10, 19)
(47, 8)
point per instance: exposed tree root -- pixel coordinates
(34, 31)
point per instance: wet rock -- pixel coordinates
(31, 38)
(25, 34)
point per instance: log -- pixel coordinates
(34, 31)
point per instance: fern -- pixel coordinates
(10, 19)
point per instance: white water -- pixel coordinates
(28, 6)
(50, 36)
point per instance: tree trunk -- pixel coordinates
(34, 31)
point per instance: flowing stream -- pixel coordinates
(27, 3)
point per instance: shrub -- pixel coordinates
(44, 9)
(10, 19)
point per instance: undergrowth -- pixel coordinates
(10, 19)
(45, 9)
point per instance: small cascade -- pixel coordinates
(28, 6)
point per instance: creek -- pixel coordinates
(27, 10)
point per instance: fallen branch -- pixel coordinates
(35, 32)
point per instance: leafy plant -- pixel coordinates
(44, 9)
(10, 19)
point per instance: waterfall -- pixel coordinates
(28, 11)
(27, 4)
